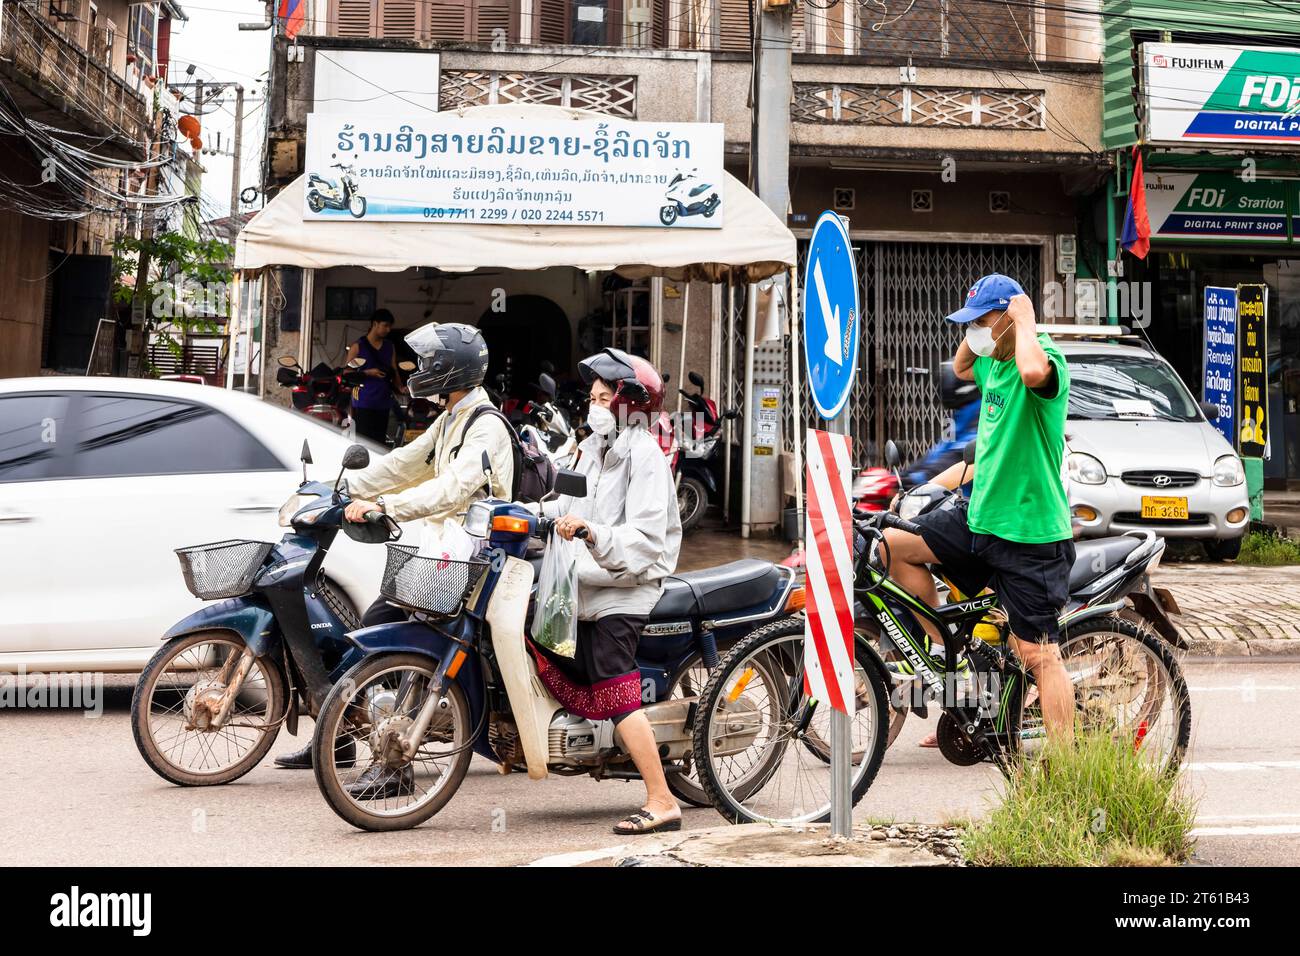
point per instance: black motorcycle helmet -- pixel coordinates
(453, 357)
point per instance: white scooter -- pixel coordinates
(688, 196)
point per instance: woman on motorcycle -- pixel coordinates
(632, 531)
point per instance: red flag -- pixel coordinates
(292, 12)
(1136, 236)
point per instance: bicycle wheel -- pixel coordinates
(1126, 680)
(758, 737)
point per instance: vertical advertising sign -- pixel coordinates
(1220, 382)
(1252, 369)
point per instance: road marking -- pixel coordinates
(1281, 829)
(1247, 765)
(579, 857)
(1242, 688)
(1222, 817)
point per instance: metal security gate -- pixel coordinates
(907, 289)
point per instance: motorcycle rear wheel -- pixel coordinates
(349, 714)
(164, 690)
(692, 502)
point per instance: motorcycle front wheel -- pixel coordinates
(357, 206)
(668, 214)
(758, 737)
(177, 690)
(692, 502)
(360, 778)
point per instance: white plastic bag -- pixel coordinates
(450, 540)
(555, 617)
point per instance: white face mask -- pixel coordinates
(601, 419)
(980, 339)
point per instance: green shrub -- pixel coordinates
(1268, 549)
(1095, 803)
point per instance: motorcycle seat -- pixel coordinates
(728, 587)
(1093, 557)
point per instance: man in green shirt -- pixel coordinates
(1015, 534)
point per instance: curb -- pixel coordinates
(1276, 649)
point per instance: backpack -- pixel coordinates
(534, 471)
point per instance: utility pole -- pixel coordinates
(234, 169)
(770, 148)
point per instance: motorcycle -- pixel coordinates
(395, 736)
(688, 196)
(324, 393)
(547, 425)
(1126, 682)
(697, 478)
(231, 674)
(341, 193)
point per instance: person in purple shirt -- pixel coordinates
(374, 399)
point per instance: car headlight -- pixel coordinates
(291, 507)
(1228, 471)
(1085, 469)
(477, 519)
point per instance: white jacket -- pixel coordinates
(445, 487)
(636, 531)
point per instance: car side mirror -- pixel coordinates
(968, 453)
(696, 379)
(357, 456)
(1210, 409)
(893, 457)
(571, 483)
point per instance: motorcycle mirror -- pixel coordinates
(571, 483)
(1210, 409)
(547, 385)
(407, 366)
(357, 456)
(420, 406)
(288, 361)
(949, 385)
(893, 457)
(696, 379)
(548, 366)
(731, 413)
(357, 362)
(305, 457)
(286, 376)
(968, 453)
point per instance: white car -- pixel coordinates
(1143, 454)
(102, 478)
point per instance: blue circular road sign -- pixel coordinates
(830, 314)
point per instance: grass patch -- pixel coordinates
(1268, 550)
(1091, 804)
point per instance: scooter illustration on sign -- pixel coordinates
(688, 196)
(341, 193)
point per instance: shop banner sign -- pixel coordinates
(1220, 382)
(441, 168)
(1202, 93)
(1216, 207)
(1252, 369)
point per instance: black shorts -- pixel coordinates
(1032, 581)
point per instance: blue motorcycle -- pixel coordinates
(395, 736)
(212, 700)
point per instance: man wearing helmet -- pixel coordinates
(632, 541)
(437, 476)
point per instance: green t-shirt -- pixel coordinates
(1018, 493)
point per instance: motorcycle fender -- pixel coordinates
(249, 617)
(531, 705)
(1152, 611)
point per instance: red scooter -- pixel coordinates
(324, 393)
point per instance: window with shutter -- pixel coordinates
(733, 26)
(551, 21)
(918, 32)
(350, 18)
(400, 19)
(957, 29)
(493, 18)
(449, 20)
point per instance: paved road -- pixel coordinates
(76, 792)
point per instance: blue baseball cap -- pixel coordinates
(988, 294)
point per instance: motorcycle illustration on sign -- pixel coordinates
(688, 196)
(341, 193)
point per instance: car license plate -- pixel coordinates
(1164, 509)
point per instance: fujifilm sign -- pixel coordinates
(1196, 93)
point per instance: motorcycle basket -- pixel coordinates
(223, 569)
(432, 585)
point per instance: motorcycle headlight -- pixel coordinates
(291, 507)
(1085, 469)
(1228, 471)
(477, 519)
(910, 506)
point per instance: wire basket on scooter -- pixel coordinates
(432, 585)
(223, 569)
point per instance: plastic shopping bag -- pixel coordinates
(449, 540)
(555, 618)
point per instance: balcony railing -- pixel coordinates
(83, 83)
(862, 104)
(615, 95)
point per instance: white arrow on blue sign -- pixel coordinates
(830, 312)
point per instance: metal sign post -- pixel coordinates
(831, 314)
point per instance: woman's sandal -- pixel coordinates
(643, 821)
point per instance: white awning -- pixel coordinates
(751, 245)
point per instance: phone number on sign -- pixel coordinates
(500, 214)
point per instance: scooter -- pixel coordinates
(697, 483)
(396, 734)
(211, 701)
(688, 196)
(338, 193)
(324, 393)
(548, 426)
